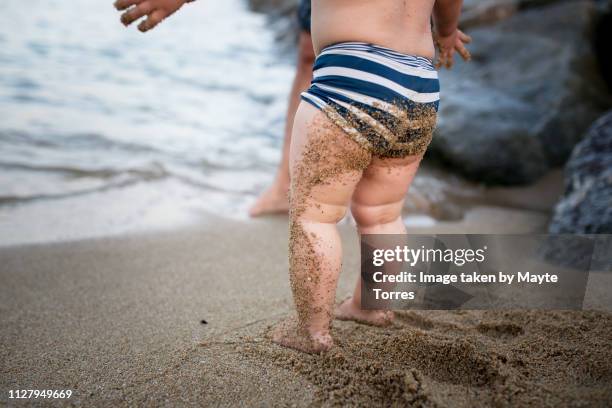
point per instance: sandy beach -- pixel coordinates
(119, 322)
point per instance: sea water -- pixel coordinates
(105, 128)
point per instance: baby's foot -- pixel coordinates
(348, 310)
(287, 334)
(272, 201)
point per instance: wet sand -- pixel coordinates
(118, 321)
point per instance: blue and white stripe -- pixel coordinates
(357, 79)
(413, 60)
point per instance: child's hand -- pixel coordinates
(155, 10)
(447, 45)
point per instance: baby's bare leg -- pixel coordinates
(377, 205)
(325, 168)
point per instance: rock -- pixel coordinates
(478, 12)
(523, 102)
(586, 205)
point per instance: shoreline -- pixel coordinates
(454, 207)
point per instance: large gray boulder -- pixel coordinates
(524, 101)
(586, 206)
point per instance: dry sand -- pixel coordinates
(118, 322)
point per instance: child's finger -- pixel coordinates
(438, 62)
(445, 60)
(123, 4)
(464, 37)
(449, 63)
(449, 57)
(442, 61)
(465, 54)
(135, 13)
(154, 19)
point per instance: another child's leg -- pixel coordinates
(325, 168)
(376, 206)
(274, 199)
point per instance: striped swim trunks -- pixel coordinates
(384, 100)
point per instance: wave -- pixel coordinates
(13, 200)
(70, 141)
(106, 179)
(155, 172)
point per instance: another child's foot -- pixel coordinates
(287, 334)
(272, 201)
(348, 310)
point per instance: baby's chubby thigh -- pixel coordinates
(325, 166)
(328, 203)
